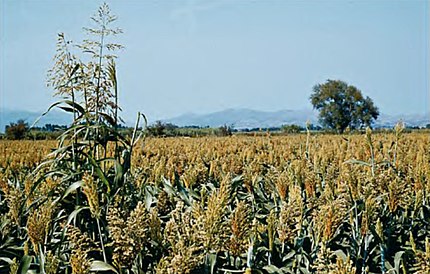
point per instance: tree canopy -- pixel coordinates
(341, 105)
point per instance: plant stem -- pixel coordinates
(101, 240)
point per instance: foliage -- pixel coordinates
(225, 130)
(16, 131)
(342, 105)
(159, 129)
(292, 128)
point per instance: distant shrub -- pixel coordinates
(163, 129)
(16, 131)
(43, 135)
(225, 130)
(291, 128)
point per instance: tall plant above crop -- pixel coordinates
(89, 78)
(87, 81)
(60, 75)
(101, 49)
(90, 173)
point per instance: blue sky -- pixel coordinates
(203, 56)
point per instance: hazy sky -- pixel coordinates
(203, 56)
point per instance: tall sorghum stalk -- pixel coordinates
(398, 129)
(62, 78)
(372, 153)
(100, 52)
(114, 80)
(380, 232)
(308, 135)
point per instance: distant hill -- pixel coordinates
(388, 121)
(248, 118)
(53, 117)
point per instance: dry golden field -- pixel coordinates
(285, 204)
(107, 199)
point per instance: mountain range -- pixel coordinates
(239, 118)
(248, 118)
(54, 117)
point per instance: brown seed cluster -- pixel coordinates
(90, 189)
(39, 224)
(129, 235)
(81, 244)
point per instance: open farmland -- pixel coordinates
(287, 204)
(108, 196)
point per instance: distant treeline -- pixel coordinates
(21, 130)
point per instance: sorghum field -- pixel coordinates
(305, 203)
(101, 200)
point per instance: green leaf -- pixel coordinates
(75, 105)
(6, 259)
(108, 118)
(74, 69)
(75, 213)
(67, 109)
(72, 188)
(398, 260)
(99, 172)
(357, 162)
(25, 264)
(304, 270)
(148, 199)
(168, 187)
(183, 194)
(211, 262)
(339, 253)
(102, 266)
(289, 255)
(119, 173)
(272, 269)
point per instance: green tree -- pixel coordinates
(341, 105)
(16, 131)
